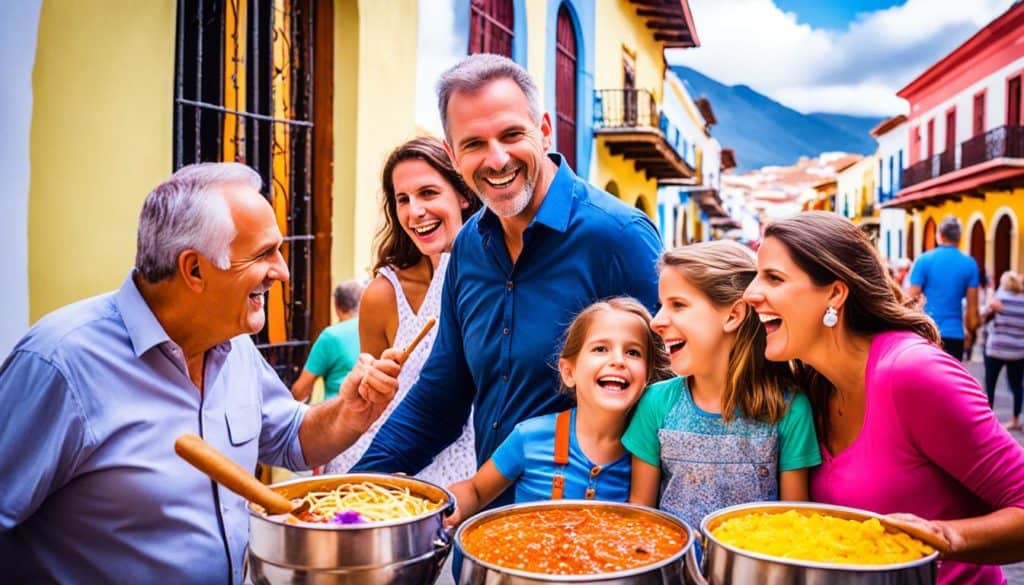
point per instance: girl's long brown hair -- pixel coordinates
(722, 270)
(576, 335)
(394, 246)
(829, 248)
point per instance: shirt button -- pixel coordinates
(504, 377)
(505, 331)
(595, 470)
(494, 425)
(762, 471)
(508, 286)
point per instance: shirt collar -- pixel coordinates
(556, 208)
(142, 325)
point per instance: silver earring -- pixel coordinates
(831, 317)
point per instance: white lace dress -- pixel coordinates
(458, 461)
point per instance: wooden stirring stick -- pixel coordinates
(419, 337)
(231, 475)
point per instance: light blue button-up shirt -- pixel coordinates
(91, 491)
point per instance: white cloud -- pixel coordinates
(854, 71)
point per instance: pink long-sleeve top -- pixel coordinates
(930, 445)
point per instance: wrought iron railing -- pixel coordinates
(625, 108)
(1004, 141)
(1000, 142)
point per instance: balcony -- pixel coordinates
(1001, 142)
(630, 124)
(995, 157)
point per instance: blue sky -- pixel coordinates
(833, 14)
(839, 56)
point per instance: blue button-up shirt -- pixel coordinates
(502, 324)
(91, 491)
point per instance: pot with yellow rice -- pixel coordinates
(807, 543)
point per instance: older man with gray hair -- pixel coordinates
(945, 277)
(94, 396)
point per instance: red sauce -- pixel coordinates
(574, 541)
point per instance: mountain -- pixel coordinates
(764, 132)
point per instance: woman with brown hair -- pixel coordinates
(425, 203)
(904, 428)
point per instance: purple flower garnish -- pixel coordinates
(348, 517)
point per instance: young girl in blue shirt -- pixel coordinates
(728, 429)
(610, 355)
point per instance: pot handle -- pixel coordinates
(692, 567)
(442, 548)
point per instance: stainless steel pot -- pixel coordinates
(727, 565)
(409, 550)
(668, 571)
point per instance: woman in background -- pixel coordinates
(425, 203)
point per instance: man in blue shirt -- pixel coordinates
(945, 276)
(546, 246)
(94, 396)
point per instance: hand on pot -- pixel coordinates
(935, 533)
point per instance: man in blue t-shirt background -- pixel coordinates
(336, 350)
(946, 276)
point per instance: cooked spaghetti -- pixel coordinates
(363, 501)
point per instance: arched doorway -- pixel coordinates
(1001, 260)
(491, 26)
(978, 247)
(642, 205)
(565, 86)
(613, 188)
(928, 236)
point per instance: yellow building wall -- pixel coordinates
(633, 185)
(536, 42)
(989, 210)
(374, 101)
(101, 137)
(616, 26)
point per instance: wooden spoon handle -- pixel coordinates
(229, 474)
(419, 337)
(919, 532)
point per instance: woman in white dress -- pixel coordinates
(425, 203)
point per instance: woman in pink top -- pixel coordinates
(904, 428)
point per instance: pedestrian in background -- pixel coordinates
(425, 202)
(903, 427)
(336, 350)
(946, 276)
(1004, 343)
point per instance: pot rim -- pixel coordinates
(588, 578)
(446, 509)
(786, 505)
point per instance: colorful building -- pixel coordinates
(891, 136)
(856, 194)
(109, 97)
(966, 146)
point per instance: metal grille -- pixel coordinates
(244, 92)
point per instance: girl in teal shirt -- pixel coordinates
(728, 430)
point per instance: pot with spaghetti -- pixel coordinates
(574, 541)
(357, 528)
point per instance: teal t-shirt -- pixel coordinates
(335, 354)
(707, 464)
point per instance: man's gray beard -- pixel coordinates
(519, 203)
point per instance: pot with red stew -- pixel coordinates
(572, 541)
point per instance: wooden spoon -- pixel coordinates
(419, 337)
(233, 476)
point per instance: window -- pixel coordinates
(931, 138)
(1013, 101)
(979, 114)
(244, 92)
(951, 130)
(491, 26)
(565, 86)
